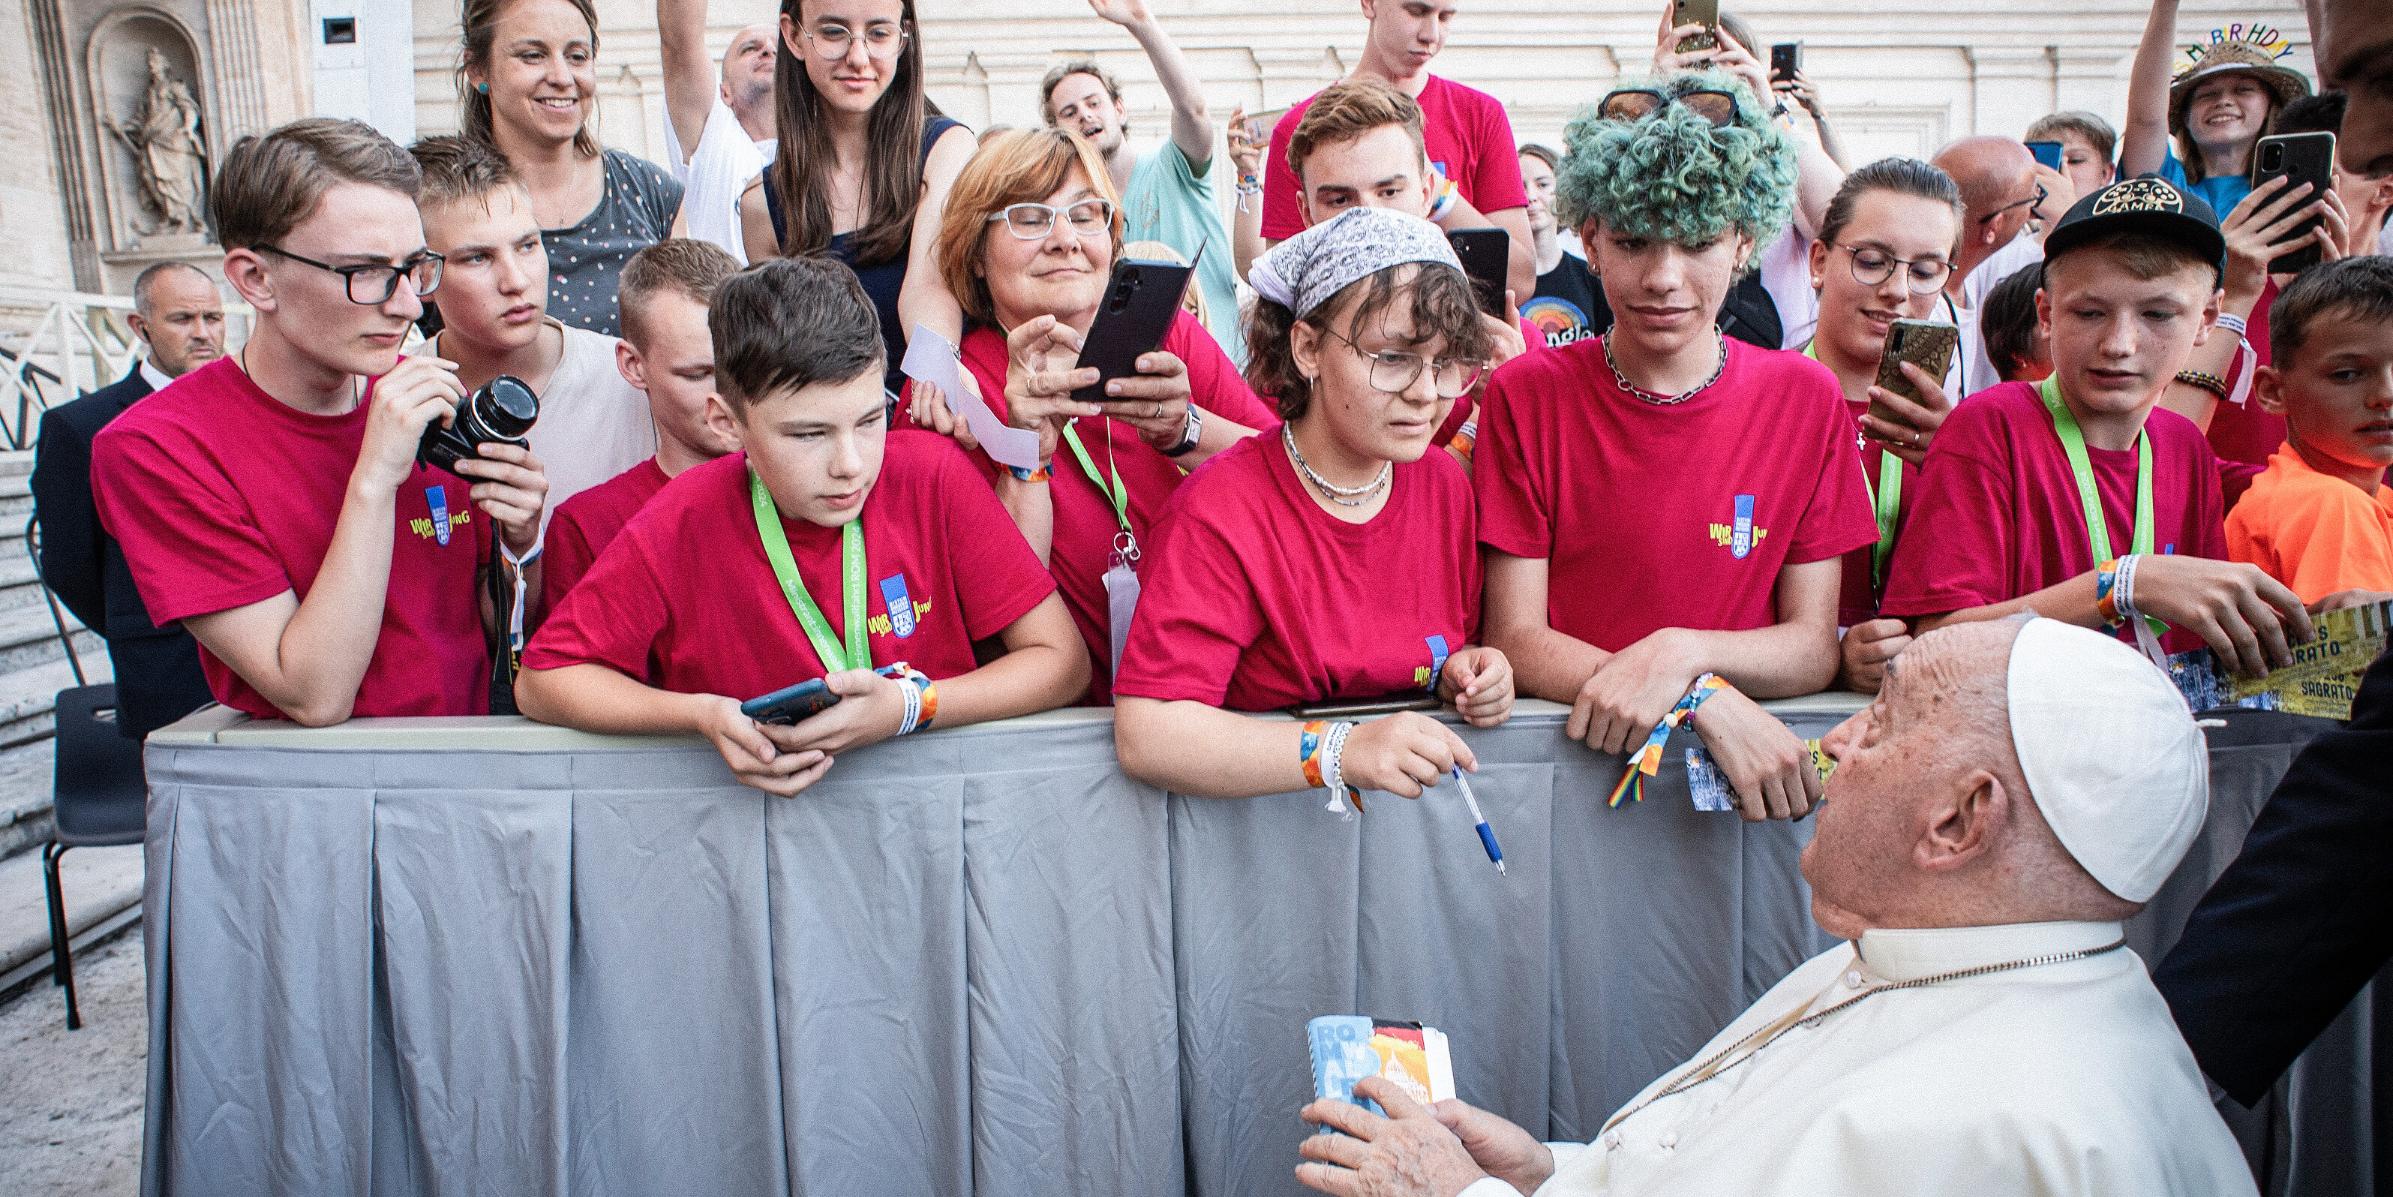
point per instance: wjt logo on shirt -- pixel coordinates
(437, 524)
(1740, 537)
(904, 613)
(1425, 676)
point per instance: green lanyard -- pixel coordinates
(2073, 442)
(851, 583)
(1117, 494)
(1887, 497)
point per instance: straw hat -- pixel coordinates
(2227, 57)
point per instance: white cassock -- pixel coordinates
(2062, 1078)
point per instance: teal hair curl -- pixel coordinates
(1673, 176)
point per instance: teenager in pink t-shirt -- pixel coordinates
(1359, 146)
(668, 355)
(1467, 134)
(273, 502)
(2130, 288)
(1332, 560)
(1028, 246)
(1664, 508)
(824, 550)
(1884, 252)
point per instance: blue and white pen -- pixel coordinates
(1487, 835)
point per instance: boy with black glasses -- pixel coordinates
(273, 501)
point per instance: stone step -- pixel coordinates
(14, 462)
(27, 696)
(25, 791)
(28, 638)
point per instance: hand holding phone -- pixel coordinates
(791, 704)
(1927, 344)
(2047, 153)
(2298, 158)
(1140, 302)
(1786, 60)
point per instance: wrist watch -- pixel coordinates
(1188, 435)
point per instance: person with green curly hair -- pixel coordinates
(1664, 508)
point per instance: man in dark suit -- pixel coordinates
(2296, 925)
(178, 313)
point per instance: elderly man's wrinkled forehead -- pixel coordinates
(1954, 680)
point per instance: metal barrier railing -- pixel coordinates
(56, 345)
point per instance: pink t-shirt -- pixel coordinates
(1653, 517)
(1998, 514)
(585, 524)
(1085, 526)
(685, 600)
(1255, 598)
(223, 496)
(1467, 134)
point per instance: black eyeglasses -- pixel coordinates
(1395, 373)
(380, 279)
(1872, 266)
(2032, 202)
(1637, 103)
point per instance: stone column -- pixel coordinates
(2010, 86)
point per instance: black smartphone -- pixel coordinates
(1697, 12)
(1140, 301)
(1927, 344)
(2048, 153)
(1786, 58)
(789, 705)
(1487, 258)
(2301, 158)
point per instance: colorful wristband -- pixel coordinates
(2106, 596)
(1646, 761)
(1045, 472)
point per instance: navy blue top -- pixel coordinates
(882, 280)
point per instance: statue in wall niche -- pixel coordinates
(170, 155)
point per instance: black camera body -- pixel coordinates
(499, 412)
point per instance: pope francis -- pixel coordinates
(2017, 789)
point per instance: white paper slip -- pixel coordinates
(929, 358)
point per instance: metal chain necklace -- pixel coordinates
(1343, 496)
(1719, 1062)
(1654, 397)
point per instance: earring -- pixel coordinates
(482, 89)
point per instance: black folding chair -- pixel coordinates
(97, 794)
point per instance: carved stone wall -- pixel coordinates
(136, 99)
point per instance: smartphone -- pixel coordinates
(1786, 58)
(1487, 258)
(1697, 12)
(1927, 344)
(1140, 301)
(2048, 153)
(785, 706)
(2303, 158)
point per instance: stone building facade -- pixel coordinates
(92, 151)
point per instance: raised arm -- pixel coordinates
(690, 82)
(2144, 143)
(1192, 129)
(923, 298)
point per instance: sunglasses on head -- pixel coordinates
(1638, 103)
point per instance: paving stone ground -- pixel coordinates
(70, 1101)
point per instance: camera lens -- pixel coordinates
(505, 406)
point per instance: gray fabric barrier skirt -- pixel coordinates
(477, 956)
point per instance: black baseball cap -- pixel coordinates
(2146, 204)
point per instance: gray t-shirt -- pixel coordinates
(635, 212)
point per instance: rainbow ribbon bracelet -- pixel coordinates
(1647, 760)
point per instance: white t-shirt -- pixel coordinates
(1786, 274)
(1979, 372)
(715, 173)
(593, 425)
